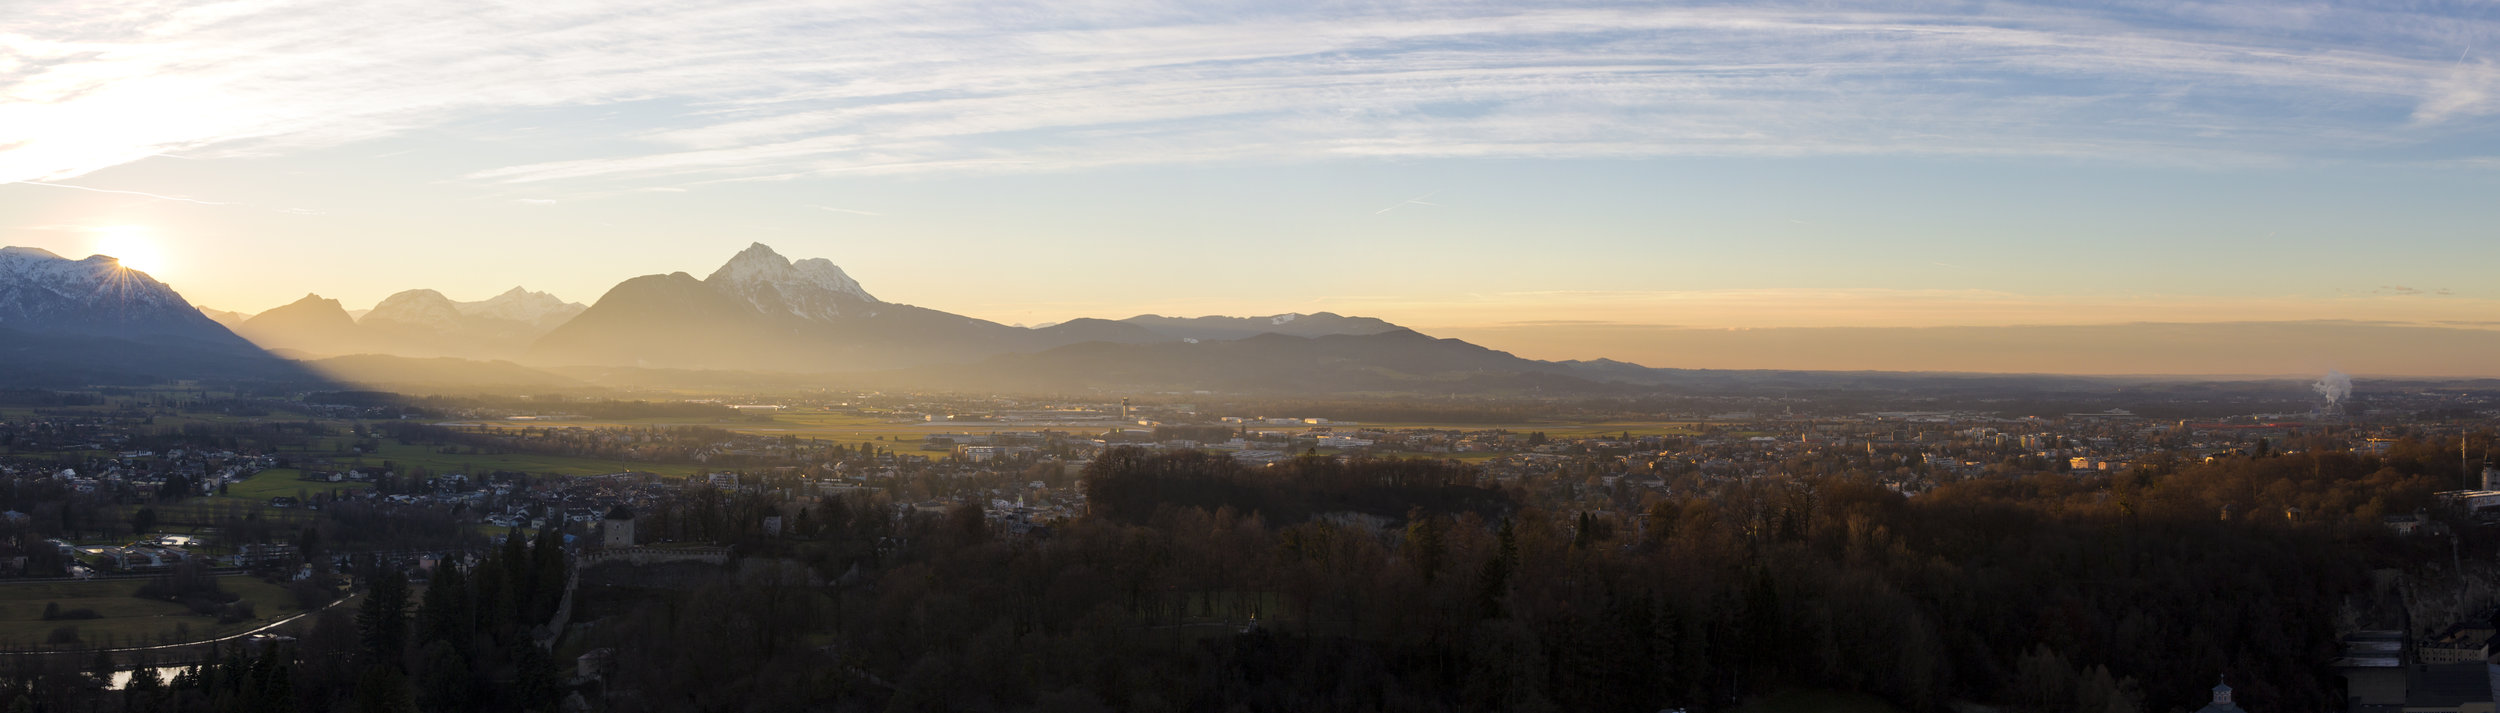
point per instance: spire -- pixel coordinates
(2222, 691)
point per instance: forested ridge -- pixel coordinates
(1201, 585)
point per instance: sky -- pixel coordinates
(1560, 179)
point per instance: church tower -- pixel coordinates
(2222, 701)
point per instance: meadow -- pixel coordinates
(125, 619)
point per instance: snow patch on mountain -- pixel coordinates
(38, 288)
(813, 288)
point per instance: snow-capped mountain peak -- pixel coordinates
(41, 289)
(813, 288)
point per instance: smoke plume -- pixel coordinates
(2336, 387)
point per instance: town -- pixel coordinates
(300, 502)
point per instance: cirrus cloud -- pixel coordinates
(776, 89)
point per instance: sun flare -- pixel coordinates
(135, 246)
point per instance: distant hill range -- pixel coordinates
(762, 322)
(413, 323)
(764, 312)
(1395, 361)
(93, 321)
(1293, 325)
(807, 321)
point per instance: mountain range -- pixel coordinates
(763, 322)
(764, 312)
(93, 320)
(414, 323)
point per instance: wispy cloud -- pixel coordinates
(142, 194)
(778, 89)
(1418, 200)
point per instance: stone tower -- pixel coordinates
(616, 531)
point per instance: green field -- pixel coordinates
(405, 456)
(127, 620)
(850, 429)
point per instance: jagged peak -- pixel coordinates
(759, 265)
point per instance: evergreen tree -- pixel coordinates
(382, 624)
(1494, 586)
(443, 682)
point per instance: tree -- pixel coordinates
(1425, 544)
(443, 682)
(144, 688)
(1493, 587)
(143, 521)
(382, 623)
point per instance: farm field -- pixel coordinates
(125, 620)
(904, 437)
(1561, 429)
(407, 455)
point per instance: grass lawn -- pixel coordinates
(127, 619)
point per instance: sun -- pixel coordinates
(135, 245)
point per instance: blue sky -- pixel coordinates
(1442, 164)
